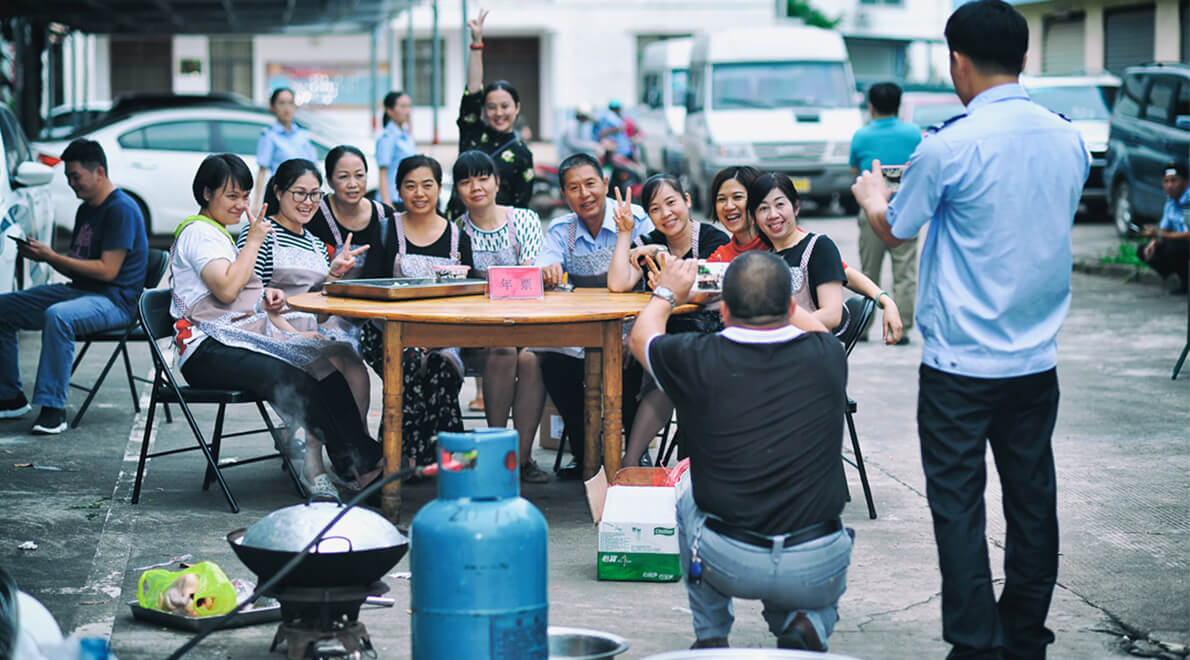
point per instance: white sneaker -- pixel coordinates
(321, 487)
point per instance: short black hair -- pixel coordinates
(1179, 169)
(287, 172)
(277, 92)
(410, 163)
(577, 160)
(216, 171)
(885, 98)
(992, 33)
(87, 153)
(745, 174)
(473, 163)
(764, 184)
(757, 287)
(333, 156)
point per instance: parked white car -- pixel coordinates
(26, 210)
(153, 156)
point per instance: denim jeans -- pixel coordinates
(809, 577)
(61, 312)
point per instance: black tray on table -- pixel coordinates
(405, 288)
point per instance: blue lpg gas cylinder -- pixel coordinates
(478, 556)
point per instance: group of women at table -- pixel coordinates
(235, 330)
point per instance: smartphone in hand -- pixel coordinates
(892, 175)
(19, 240)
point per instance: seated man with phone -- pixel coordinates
(106, 265)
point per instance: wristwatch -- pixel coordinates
(667, 295)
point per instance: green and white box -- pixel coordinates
(638, 535)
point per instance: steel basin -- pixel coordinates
(584, 644)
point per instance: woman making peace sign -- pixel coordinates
(216, 294)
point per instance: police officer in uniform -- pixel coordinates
(999, 185)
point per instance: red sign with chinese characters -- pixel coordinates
(515, 282)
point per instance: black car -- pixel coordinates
(1150, 126)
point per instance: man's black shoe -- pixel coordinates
(645, 459)
(710, 643)
(14, 407)
(800, 636)
(50, 421)
(572, 472)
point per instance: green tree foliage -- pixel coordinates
(810, 15)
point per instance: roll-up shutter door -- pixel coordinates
(1128, 37)
(1186, 30)
(1064, 45)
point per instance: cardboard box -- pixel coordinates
(638, 529)
(550, 432)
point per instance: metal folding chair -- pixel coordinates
(157, 265)
(860, 310)
(158, 324)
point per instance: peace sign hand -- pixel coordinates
(344, 259)
(258, 227)
(476, 27)
(623, 212)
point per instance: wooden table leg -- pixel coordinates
(613, 376)
(592, 398)
(394, 387)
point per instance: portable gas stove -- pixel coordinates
(319, 623)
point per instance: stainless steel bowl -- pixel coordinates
(584, 644)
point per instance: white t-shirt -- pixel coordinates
(199, 245)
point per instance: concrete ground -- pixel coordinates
(1122, 455)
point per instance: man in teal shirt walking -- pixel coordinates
(891, 141)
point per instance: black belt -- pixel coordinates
(796, 537)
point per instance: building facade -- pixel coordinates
(1096, 36)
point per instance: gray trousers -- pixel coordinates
(904, 268)
(809, 577)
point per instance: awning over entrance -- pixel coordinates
(161, 17)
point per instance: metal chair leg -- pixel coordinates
(859, 465)
(216, 445)
(94, 389)
(561, 448)
(123, 349)
(144, 445)
(280, 442)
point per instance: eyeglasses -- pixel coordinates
(302, 195)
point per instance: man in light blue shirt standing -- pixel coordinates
(891, 141)
(1000, 186)
(580, 245)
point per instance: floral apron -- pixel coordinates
(432, 378)
(298, 271)
(800, 281)
(483, 260)
(241, 324)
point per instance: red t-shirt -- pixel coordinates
(725, 253)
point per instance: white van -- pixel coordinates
(777, 98)
(661, 116)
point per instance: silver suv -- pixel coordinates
(1150, 126)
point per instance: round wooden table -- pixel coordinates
(591, 318)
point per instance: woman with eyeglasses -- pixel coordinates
(224, 340)
(418, 243)
(346, 211)
(487, 121)
(295, 261)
